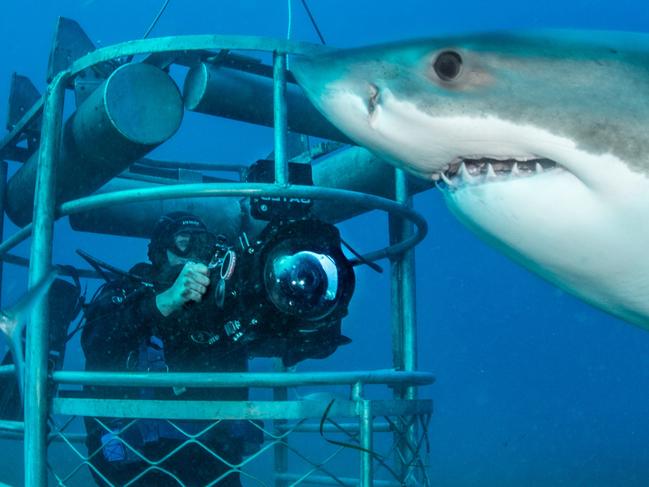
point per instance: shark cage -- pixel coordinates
(127, 103)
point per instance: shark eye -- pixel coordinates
(448, 65)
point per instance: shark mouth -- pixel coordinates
(485, 169)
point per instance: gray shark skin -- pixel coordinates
(14, 319)
(539, 141)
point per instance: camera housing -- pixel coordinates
(288, 291)
(285, 294)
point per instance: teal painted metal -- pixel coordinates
(133, 111)
(258, 189)
(408, 282)
(195, 43)
(404, 320)
(138, 219)
(280, 122)
(213, 410)
(36, 409)
(356, 169)
(280, 450)
(230, 93)
(161, 45)
(247, 379)
(7, 370)
(12, 426)
(290, 479)
(366, 418)
(204, 410)
(15, 239)
(40, 262)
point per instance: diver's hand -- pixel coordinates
(190, 285)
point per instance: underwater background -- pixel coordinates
(533, 387)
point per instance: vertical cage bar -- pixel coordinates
(3, 186)
(407, 284)
(280, 120)
(36, 400)
(404, 319)
(367, 475)
(280, 451)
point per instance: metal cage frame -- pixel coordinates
(407, 228)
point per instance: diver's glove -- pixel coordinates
(190, 285)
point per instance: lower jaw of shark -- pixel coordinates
(589, 243)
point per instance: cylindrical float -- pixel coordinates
(221, 215)
(354, 169)
(133, 111)
(247, 97)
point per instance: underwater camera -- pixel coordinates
(285, 294)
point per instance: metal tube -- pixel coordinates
(280, 451)
(17, 238)
(138, 219)
(356, 169)
(408, 286)
(195, 43)
(12, 426)
(404, 324)
(258, 189)
(336, 429)
(353, 169)
(36, 401)
(280, 122)
(133, 111)
(7, 370)
(323, 480)
(234, 94)
(366, 478)
(235, 379)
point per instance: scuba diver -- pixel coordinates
(156, 319)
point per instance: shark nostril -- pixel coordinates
(373, 98)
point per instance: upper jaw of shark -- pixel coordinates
(482, 169)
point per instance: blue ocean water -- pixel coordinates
(533, 387)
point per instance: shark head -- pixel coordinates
(540, 143)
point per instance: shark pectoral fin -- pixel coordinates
(13, 320)
(15, 317)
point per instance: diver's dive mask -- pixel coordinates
(198, 246)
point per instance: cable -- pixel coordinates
(290, 20)
(315, 25)
(155, 20)
(289, 28)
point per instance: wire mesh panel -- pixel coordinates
(322, 447)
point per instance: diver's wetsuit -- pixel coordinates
(126, 332)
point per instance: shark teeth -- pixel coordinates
(476, 170)
(491, 174)
(464, 174)
(447, 180)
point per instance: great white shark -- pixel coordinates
(14, 319)
(539, 142)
